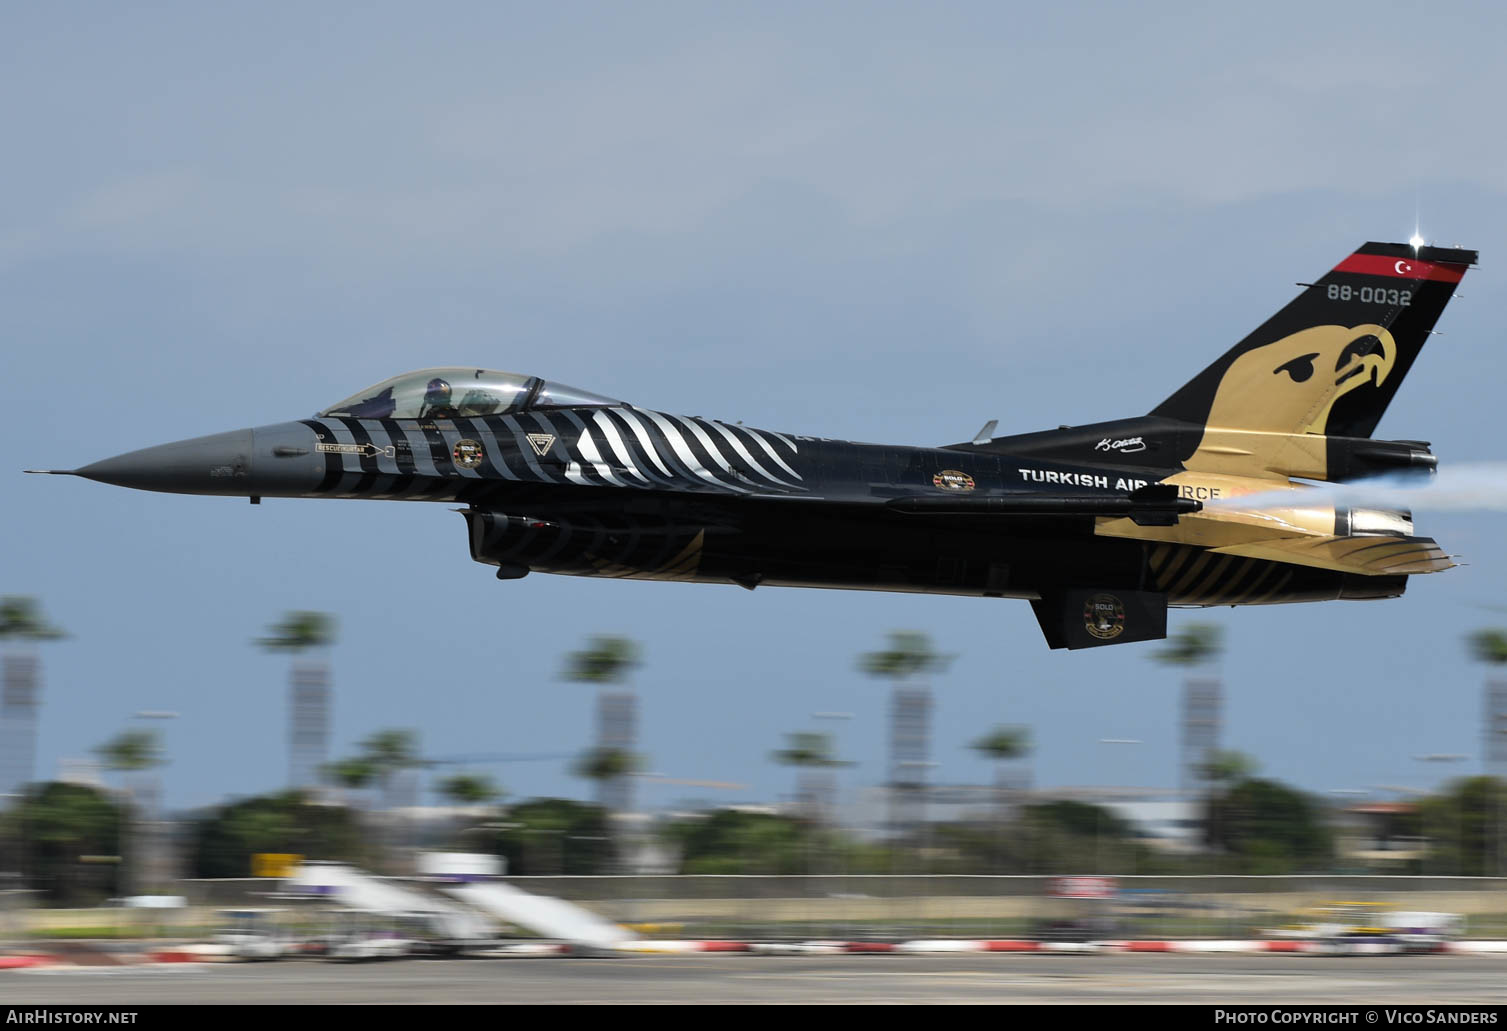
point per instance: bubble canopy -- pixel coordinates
(452, 390)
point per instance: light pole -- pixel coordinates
(828, 805)
(1099, 821)
(641, 830)
(152, 863)
(914, 771)
(830, 787)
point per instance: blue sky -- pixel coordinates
(883, 222)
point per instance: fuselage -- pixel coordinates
(624, 492)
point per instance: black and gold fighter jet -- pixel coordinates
(1100, 527)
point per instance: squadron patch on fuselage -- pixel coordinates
(541, 442)
(952, 479)
(468, 454)
(1104, 616)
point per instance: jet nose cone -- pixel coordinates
(217, 464)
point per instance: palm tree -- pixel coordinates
(299, 633)
(1197, 645)
(1003, 744)
(390, 753)
(1490, 647)
(22, 627)
(469, 789)
(907, 659)
(808, 752)
(354, 774)
(605, 661)
(351, 774)
(132, 752)
(1226, 767)
(1193, 645)
(381, 759)
(605, 765)
(1222, 771)
(21, 619)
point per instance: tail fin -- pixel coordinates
(1330, 362)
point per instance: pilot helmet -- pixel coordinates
(437, 395)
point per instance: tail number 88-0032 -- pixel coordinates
(1370, 294)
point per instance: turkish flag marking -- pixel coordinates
(1401, 268)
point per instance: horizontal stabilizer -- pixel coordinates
(1372, 556)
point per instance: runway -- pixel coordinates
(742, 979)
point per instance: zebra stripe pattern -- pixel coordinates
(615, 446)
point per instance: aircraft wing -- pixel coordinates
(1372, 556)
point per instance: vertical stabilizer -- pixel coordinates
(1330, 362)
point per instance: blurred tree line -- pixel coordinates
(64, 839)
(67, 840)
(222, 842)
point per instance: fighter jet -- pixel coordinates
(1100, 527)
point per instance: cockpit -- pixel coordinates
(444, 392)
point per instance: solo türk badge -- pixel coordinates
(1104, 616)
(951, 479)
(468, 454)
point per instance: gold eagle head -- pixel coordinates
(1290, 385)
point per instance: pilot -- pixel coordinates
(437, 400)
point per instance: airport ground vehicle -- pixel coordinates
(1346, 922)
(255, 934)
(359, 934)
